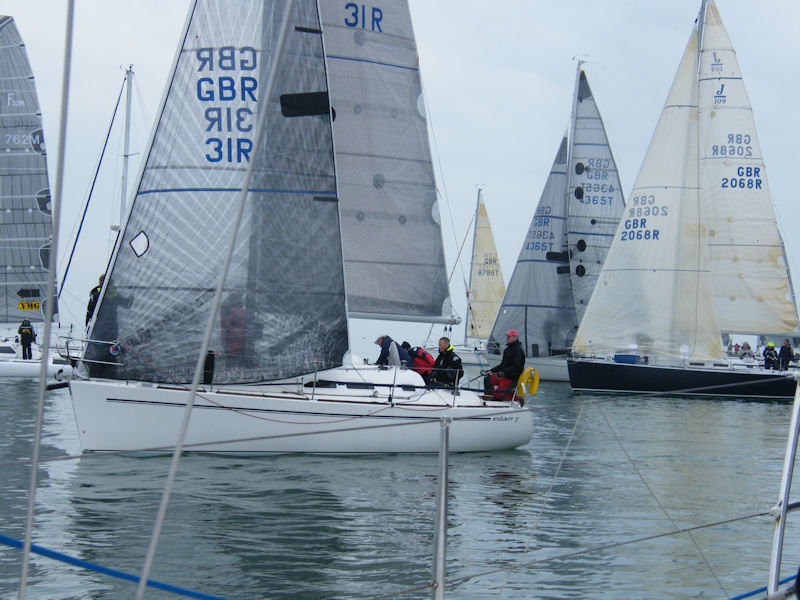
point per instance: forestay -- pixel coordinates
(26, 220)
(394, 259)
(283, 309)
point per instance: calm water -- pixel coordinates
(596, 477)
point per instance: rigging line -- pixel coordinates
(51, 284)
(604, 547)
(546, 498)
(658, 501)
(453, 270)
(91, 190)
(97, 568)
(166, 378)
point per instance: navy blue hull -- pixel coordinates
(608, 376)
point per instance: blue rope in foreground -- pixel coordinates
(105, 570)
(761, 590)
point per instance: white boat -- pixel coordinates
(565, 246)
(277, 346)
(27, 223)
(698, 252)
(485, 289)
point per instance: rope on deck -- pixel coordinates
(70, 560)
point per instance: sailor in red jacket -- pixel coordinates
(423, 361)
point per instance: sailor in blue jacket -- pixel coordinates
(392, 353)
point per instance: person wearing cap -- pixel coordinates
(447, 369)
(391, 353)
(27, 335)
(785, 356)
(770, 356)
(501, 381)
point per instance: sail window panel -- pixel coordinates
(283, 306)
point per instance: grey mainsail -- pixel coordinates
(283, 310)
(26, 221)
(568, 240)
(394, 258)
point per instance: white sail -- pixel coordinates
(391, 233)
(486, 286)
(655, 289)
(594, 195)
(698, 250)
(752, 290)
(569, 237)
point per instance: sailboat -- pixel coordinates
(485, 289)
(698, 252)
(566, 243)
(27, 222)
(277, 377)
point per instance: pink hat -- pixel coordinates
(513, 332)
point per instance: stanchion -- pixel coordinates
(440, 522)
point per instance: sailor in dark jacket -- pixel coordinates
(447, 370)
(94, 295)
(504, 376)
(392, 354)
(27, 335)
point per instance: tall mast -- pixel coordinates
(469, 320)
(126, 146)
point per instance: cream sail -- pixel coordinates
(697, 252)
(486, 286)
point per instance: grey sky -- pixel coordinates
(498, 78)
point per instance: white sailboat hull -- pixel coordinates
(13, 365)
(30, 369)
(550, 368)
(141, 417)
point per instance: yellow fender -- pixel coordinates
(528, 382)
